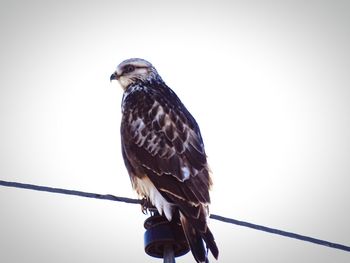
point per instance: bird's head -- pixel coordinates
(134, 70)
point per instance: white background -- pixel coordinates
(267, 81)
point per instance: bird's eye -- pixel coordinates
(129, 69)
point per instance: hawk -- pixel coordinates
(164, 152)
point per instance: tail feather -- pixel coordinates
(209, 240)
(195, 240)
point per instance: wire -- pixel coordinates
(212, 216)
(281, 232)
(70, 192)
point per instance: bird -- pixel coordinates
(164, 153)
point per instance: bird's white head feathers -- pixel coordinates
(134, 70)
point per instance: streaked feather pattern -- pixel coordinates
(164, 153)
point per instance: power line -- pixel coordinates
(212, 216)
(70, 192)
(281, 232)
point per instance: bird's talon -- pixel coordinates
(145, 204)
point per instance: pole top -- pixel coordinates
(160, 233)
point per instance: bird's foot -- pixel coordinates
(145, 204)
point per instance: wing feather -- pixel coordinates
(162, 137)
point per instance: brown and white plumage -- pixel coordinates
(164, 153)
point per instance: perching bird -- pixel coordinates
(164, 152)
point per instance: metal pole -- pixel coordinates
(168, 254)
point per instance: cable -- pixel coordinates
(70, 192)
(281, 232)
(212, 216)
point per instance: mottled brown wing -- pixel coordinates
(160, 138)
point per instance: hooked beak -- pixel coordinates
(113, 76)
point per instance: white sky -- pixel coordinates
(267, 81)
